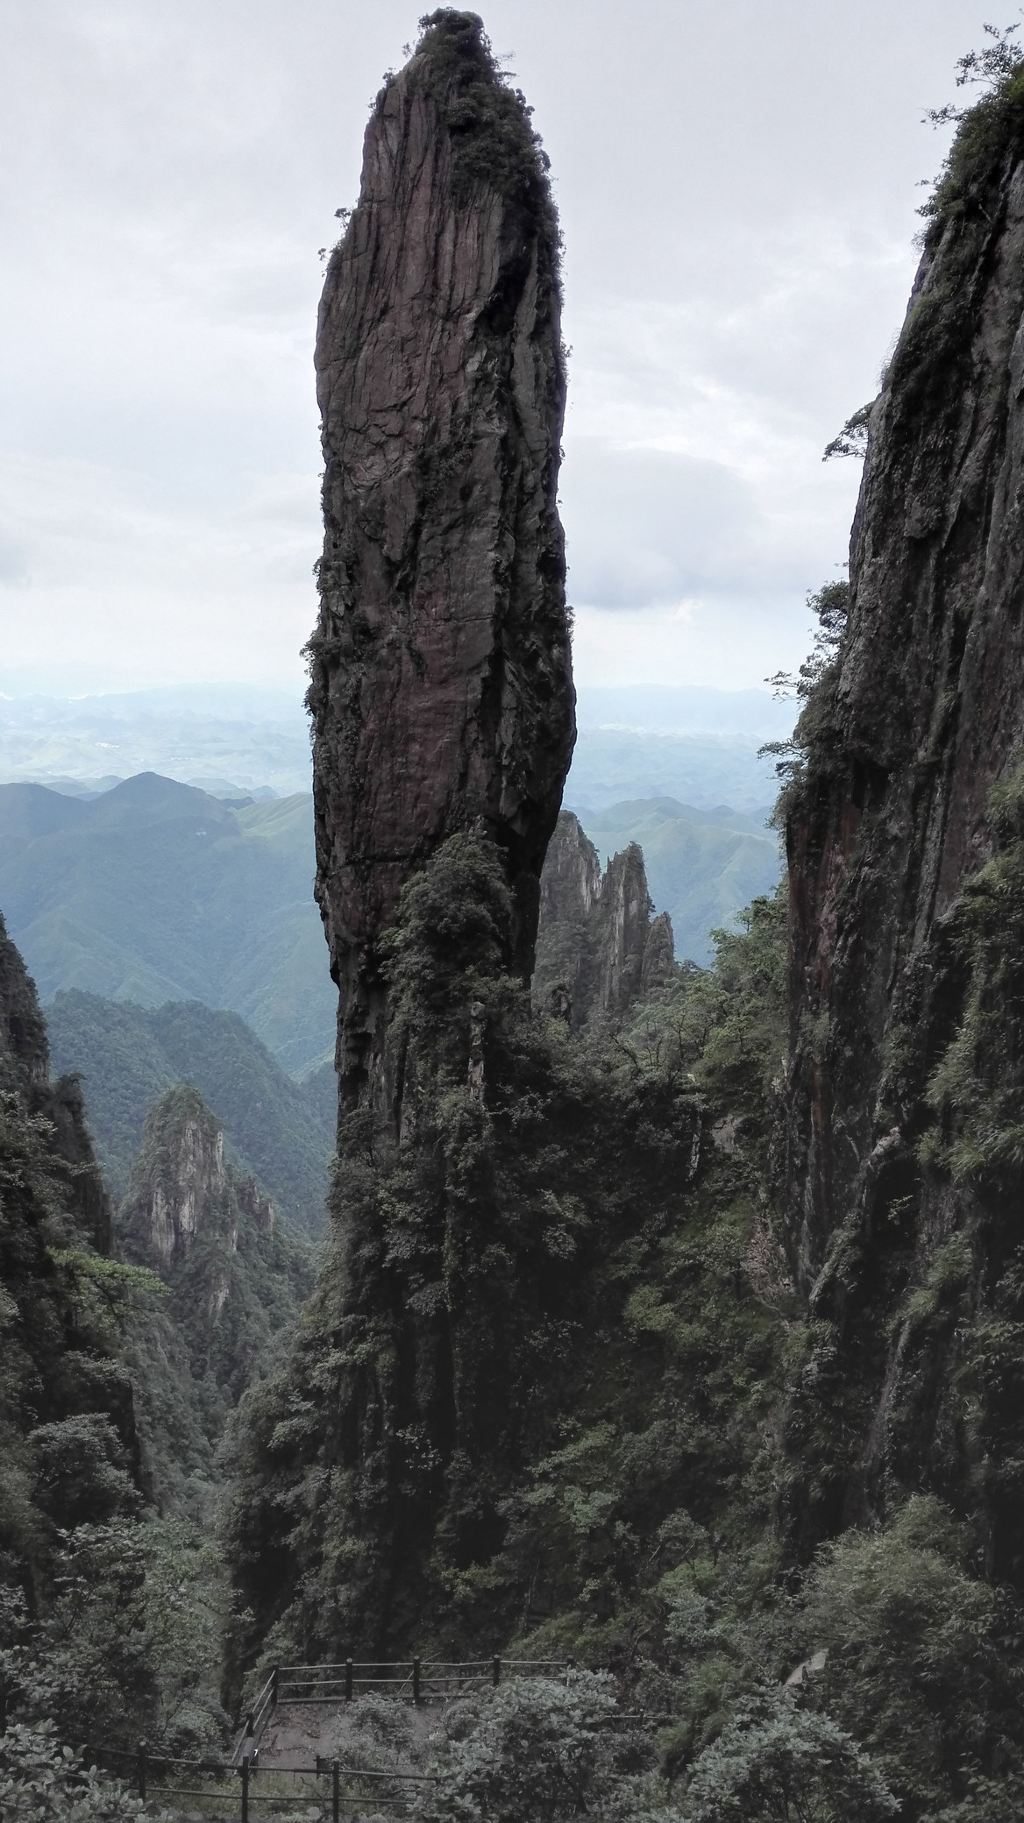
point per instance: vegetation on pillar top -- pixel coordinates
(488, 120)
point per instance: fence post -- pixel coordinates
(274, 1676)
(496, 1671)
(348, 1680)
(245, 1791)
(335, 1793)
(415, 1680)
(140, 1768)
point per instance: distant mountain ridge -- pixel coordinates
(158, 892)
(686, 741)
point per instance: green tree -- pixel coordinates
(538, 1752)
(778, 1763)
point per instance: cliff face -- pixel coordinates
(902, 1180)
(25, 1071)
(232, 1279)
(598, 943)
(60, 1360)
(441, 686)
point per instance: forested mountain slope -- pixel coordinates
(233, 1280)
(156, 892)
(128, 1056)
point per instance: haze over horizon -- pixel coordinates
(160, 454)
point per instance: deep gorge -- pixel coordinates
(670, 1320)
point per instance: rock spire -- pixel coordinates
(441, 687)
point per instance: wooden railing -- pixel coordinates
(417, 1680)
(240, 1785)
(414, 1680)
(241, 1790)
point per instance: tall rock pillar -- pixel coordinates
(441, 688)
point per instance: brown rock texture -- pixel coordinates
(903, 1211)
(441, 687)
(599, 940)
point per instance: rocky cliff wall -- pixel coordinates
(25, 1072)
(902, 1181)
(441, 688)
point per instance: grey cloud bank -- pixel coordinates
(737, 188)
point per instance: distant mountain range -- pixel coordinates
(155, 892)
(683, 741)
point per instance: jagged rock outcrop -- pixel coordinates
(181, 1186)
(184, 1196)
(441, 687)
(598, 938)
(903, 1179)
(232, 1276)
(443, 715)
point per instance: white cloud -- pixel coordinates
(737, 192)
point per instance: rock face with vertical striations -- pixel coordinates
(599, 943)
(441, 686)
(904, 1175)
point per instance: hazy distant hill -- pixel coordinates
(280, 1130)
(689, 742)
(252, 737)
(156, 891)
(702, 866)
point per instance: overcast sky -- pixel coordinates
(737, 184)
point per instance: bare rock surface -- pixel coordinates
(599, 939)
(441, 684)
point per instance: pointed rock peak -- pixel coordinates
(488, 121)
(180, 1185)
(600, 945)
(571, 880)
